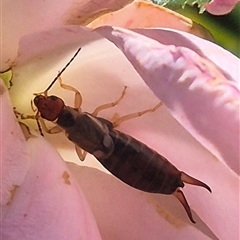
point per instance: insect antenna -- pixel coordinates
(59, 74)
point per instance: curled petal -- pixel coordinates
(196, 92)
(220, 7)
(85, 11)
(226, 62)
(142, 14)
(200, 97)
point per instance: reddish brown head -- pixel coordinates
(50, 107)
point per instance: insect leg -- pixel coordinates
(81, 153)
(34, 109)
(78, 96)
(127, 117)
(39, 127)
(28, 117)
(22, 115)
(109, 105)
(52, 130)
(35, 117)
(41, 124)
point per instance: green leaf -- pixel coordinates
(7, 77)
(223, 28)
(177, 4)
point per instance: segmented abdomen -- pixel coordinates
(141, 167)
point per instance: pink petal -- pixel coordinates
(226, 62)
(142, 14)
(88, 10)
(40, 197)
(220, 7)
(126, 213)
(25, 17)
(188, 98)
(197, 94)
(12, 173)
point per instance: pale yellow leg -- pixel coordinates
(77, 105)
(78, 96)
(52, 130)
(109, 105)
(22, 115)
(119, 120)
(35, 117)
(40, 122)
(81, 153)
(34, 109)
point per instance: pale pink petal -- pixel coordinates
(168, 71)
(40, 197)
(25, 17)
(13, 151)
(85, 11)
(129, 213)
(220, 7)
(226, 62)
(142, 14)
(196, 92)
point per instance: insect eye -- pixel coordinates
(37, 99)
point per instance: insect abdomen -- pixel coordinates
(141, 167)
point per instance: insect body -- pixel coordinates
(128, 159)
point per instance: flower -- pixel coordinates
(100, 72)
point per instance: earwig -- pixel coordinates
(125, 157)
